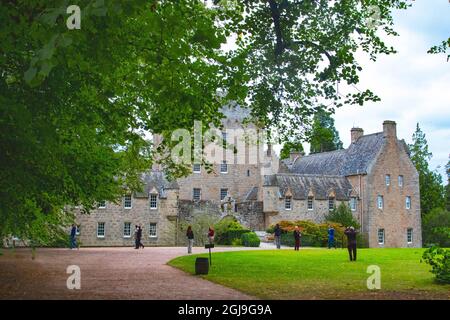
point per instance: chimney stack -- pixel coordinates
(390, 129)
(356, 133)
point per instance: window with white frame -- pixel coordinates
(288, 203)
(388, 179)
(223, 193)
(127, 230)
(353, 203)
(310, 203)
(101, 204)
(77, 232)
(196, 168)
(330, 203)
(400, 181)
(380, 202)
(224, 167)
(380, 236)
(127, 201)
(409, 235)
(152, 230)
(100, 229)
(153, 201)
(224, 139)
(196, 194)
(408, 202)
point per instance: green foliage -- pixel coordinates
(236, 242)
(444, 47)
(439, 259)
(430, 183)
(200, 224)
(250, 239)
(436, 228)
(227, 230)
(289, 147)
(343, 215)
(324, 136)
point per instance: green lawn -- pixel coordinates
(321, 273)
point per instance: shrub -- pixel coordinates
(436, 228)
(439, 259)
(236, 242)
(250, 239)
(227, 230)
(343, 215)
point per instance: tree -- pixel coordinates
(290, 146)
(430, 182)
(447, 187)
(324, 136)
(75, 104)
(436, 228)
(343, 215)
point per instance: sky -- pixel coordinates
(414, 86)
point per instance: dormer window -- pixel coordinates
(331, 203)
(310, 203)
(127, 201)
(153, 201)
(288, 203)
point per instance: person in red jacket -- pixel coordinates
(211, 235)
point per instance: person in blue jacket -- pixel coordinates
(331, 242)
(277, 234)
(73, 235)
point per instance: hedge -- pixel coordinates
(250, 239)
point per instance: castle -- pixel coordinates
(374, 175)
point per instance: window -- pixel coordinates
(288, 203)
(409, 235)
(408, 202)
(380, 236)
(310, 203)
(127, 230)
(380, 202)
(127, 201)
(153, 201)
(400, 181)
(77, 232)
(388, 179)
(224, 167)
(248, 173)
(223, 193)
(196, 168)
(100, 229)
(353, 203)
(152, 230)
(330, 204)
(101, 204)
(196, 194)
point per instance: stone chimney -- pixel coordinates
(295, 155)
(356, 133)
(390, 129)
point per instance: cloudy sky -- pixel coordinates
(414, 86)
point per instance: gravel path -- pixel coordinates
(106, 273)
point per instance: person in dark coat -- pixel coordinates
(351, 242)
(190, 237)
(297, 236)
(277, 233)
(138, 238)
(73, 237)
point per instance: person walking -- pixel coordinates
(211, 235)
(136, 240)
(331, 242)
(351, 242)
(73, 237)
(139, 237)
(297, 236)
(277, 233)
(190, 237)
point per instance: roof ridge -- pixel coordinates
(310, 175)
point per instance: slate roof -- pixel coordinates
(252, 195)
(155, 179)
(354, 160)
(301, 184)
